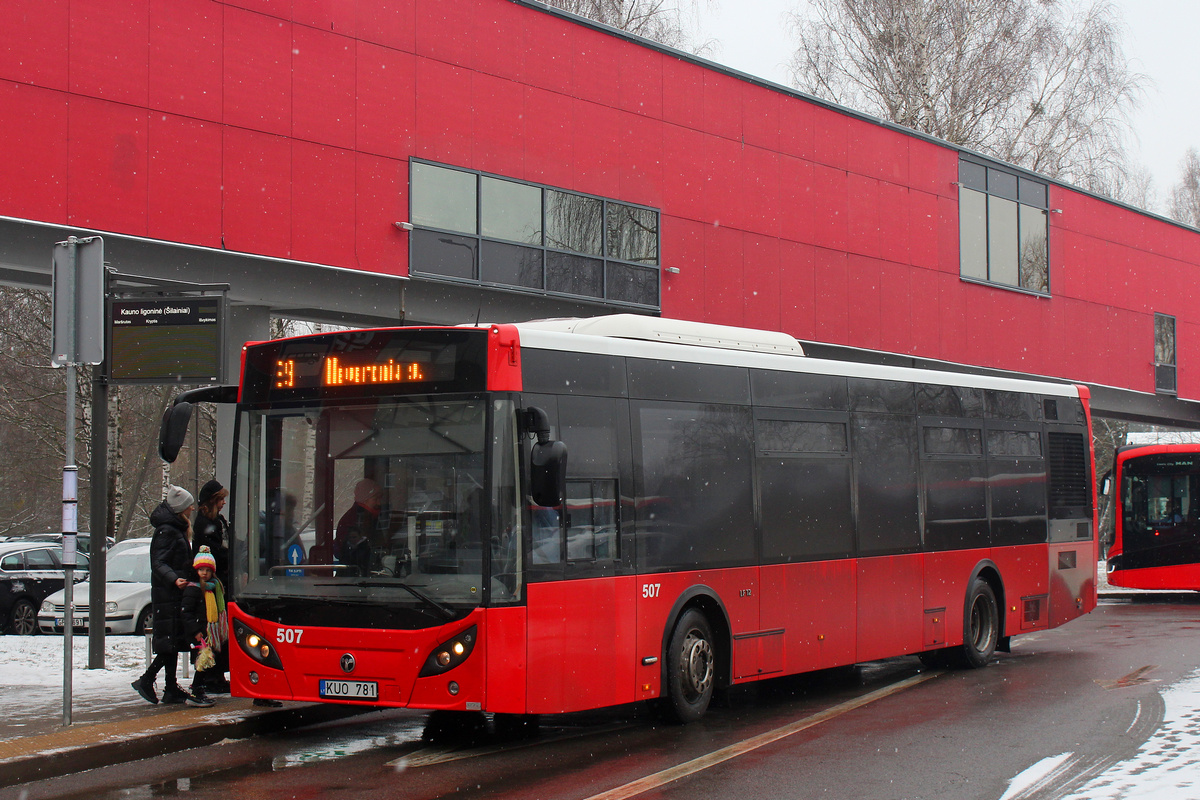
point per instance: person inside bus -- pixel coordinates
(355, 550)
(278, 529)
(363, 515)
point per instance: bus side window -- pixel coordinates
(592, 520)
(547, 536)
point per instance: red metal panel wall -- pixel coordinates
(283, 128)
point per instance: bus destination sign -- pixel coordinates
(337, 372)
(374, 363)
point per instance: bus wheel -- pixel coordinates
(981, 626)
(690, 668)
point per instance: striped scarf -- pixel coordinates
(214, 613)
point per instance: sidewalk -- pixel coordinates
(120, 735)
(110, 723)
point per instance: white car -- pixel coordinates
(128, 544)
(126, 594)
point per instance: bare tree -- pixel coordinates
(671, 22)
(1107, 436)
(1185, 197)
(33, 422)
(1026, 81)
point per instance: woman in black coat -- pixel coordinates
(170, 571)
(210, 529)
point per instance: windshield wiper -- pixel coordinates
(417, 593)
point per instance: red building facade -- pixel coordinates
(288, 129)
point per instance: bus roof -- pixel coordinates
(676, 331)
(1162, 437)
(652, 337)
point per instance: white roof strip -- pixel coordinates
(675, 331)
(568, 335)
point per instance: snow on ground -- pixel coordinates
(1167, 766)
(31, 678)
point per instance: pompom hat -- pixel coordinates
(204, 559)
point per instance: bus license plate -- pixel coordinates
(352, 690)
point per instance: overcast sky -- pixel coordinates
(1160, 41)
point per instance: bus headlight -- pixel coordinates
(448, 655)
(255, 646)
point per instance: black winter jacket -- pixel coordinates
(212, 533)
(170, 559)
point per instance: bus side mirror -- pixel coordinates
(548, 473)
(547, 461)
(1106, 483)
(173, 431)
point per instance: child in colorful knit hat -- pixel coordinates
(204, 622)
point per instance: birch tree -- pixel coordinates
(1038, 83)
(671, 22)
(1185, 197)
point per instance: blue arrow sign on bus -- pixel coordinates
(295, 555)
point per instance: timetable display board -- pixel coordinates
(166, 340)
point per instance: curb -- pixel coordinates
(56, 760)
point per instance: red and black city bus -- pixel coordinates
(1156, 539)
(572, 514)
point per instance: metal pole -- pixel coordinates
(97, 576)
(70, 493)
(70, 523)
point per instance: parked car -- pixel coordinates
(83, 541)
(29, 573)
(126, 596)
(126, 544)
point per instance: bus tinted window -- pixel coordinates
(706, 383)
(801, 436)
(694, 490)
(798, 390)
(807, 507)
(892, 397)
(952, 441)
(885, 456)
(1018, 489)
(955, 504)
(949, 401)
(1010, 405)
(1014, 443)
(551, 372)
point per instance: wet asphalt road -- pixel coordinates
(1091, 691)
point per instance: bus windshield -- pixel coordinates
(1161, 510)
(401, 505)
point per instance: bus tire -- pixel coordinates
(691, 668)
(981, 625)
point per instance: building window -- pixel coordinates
(1164, 354)
(468, 226)
(1002, 224)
